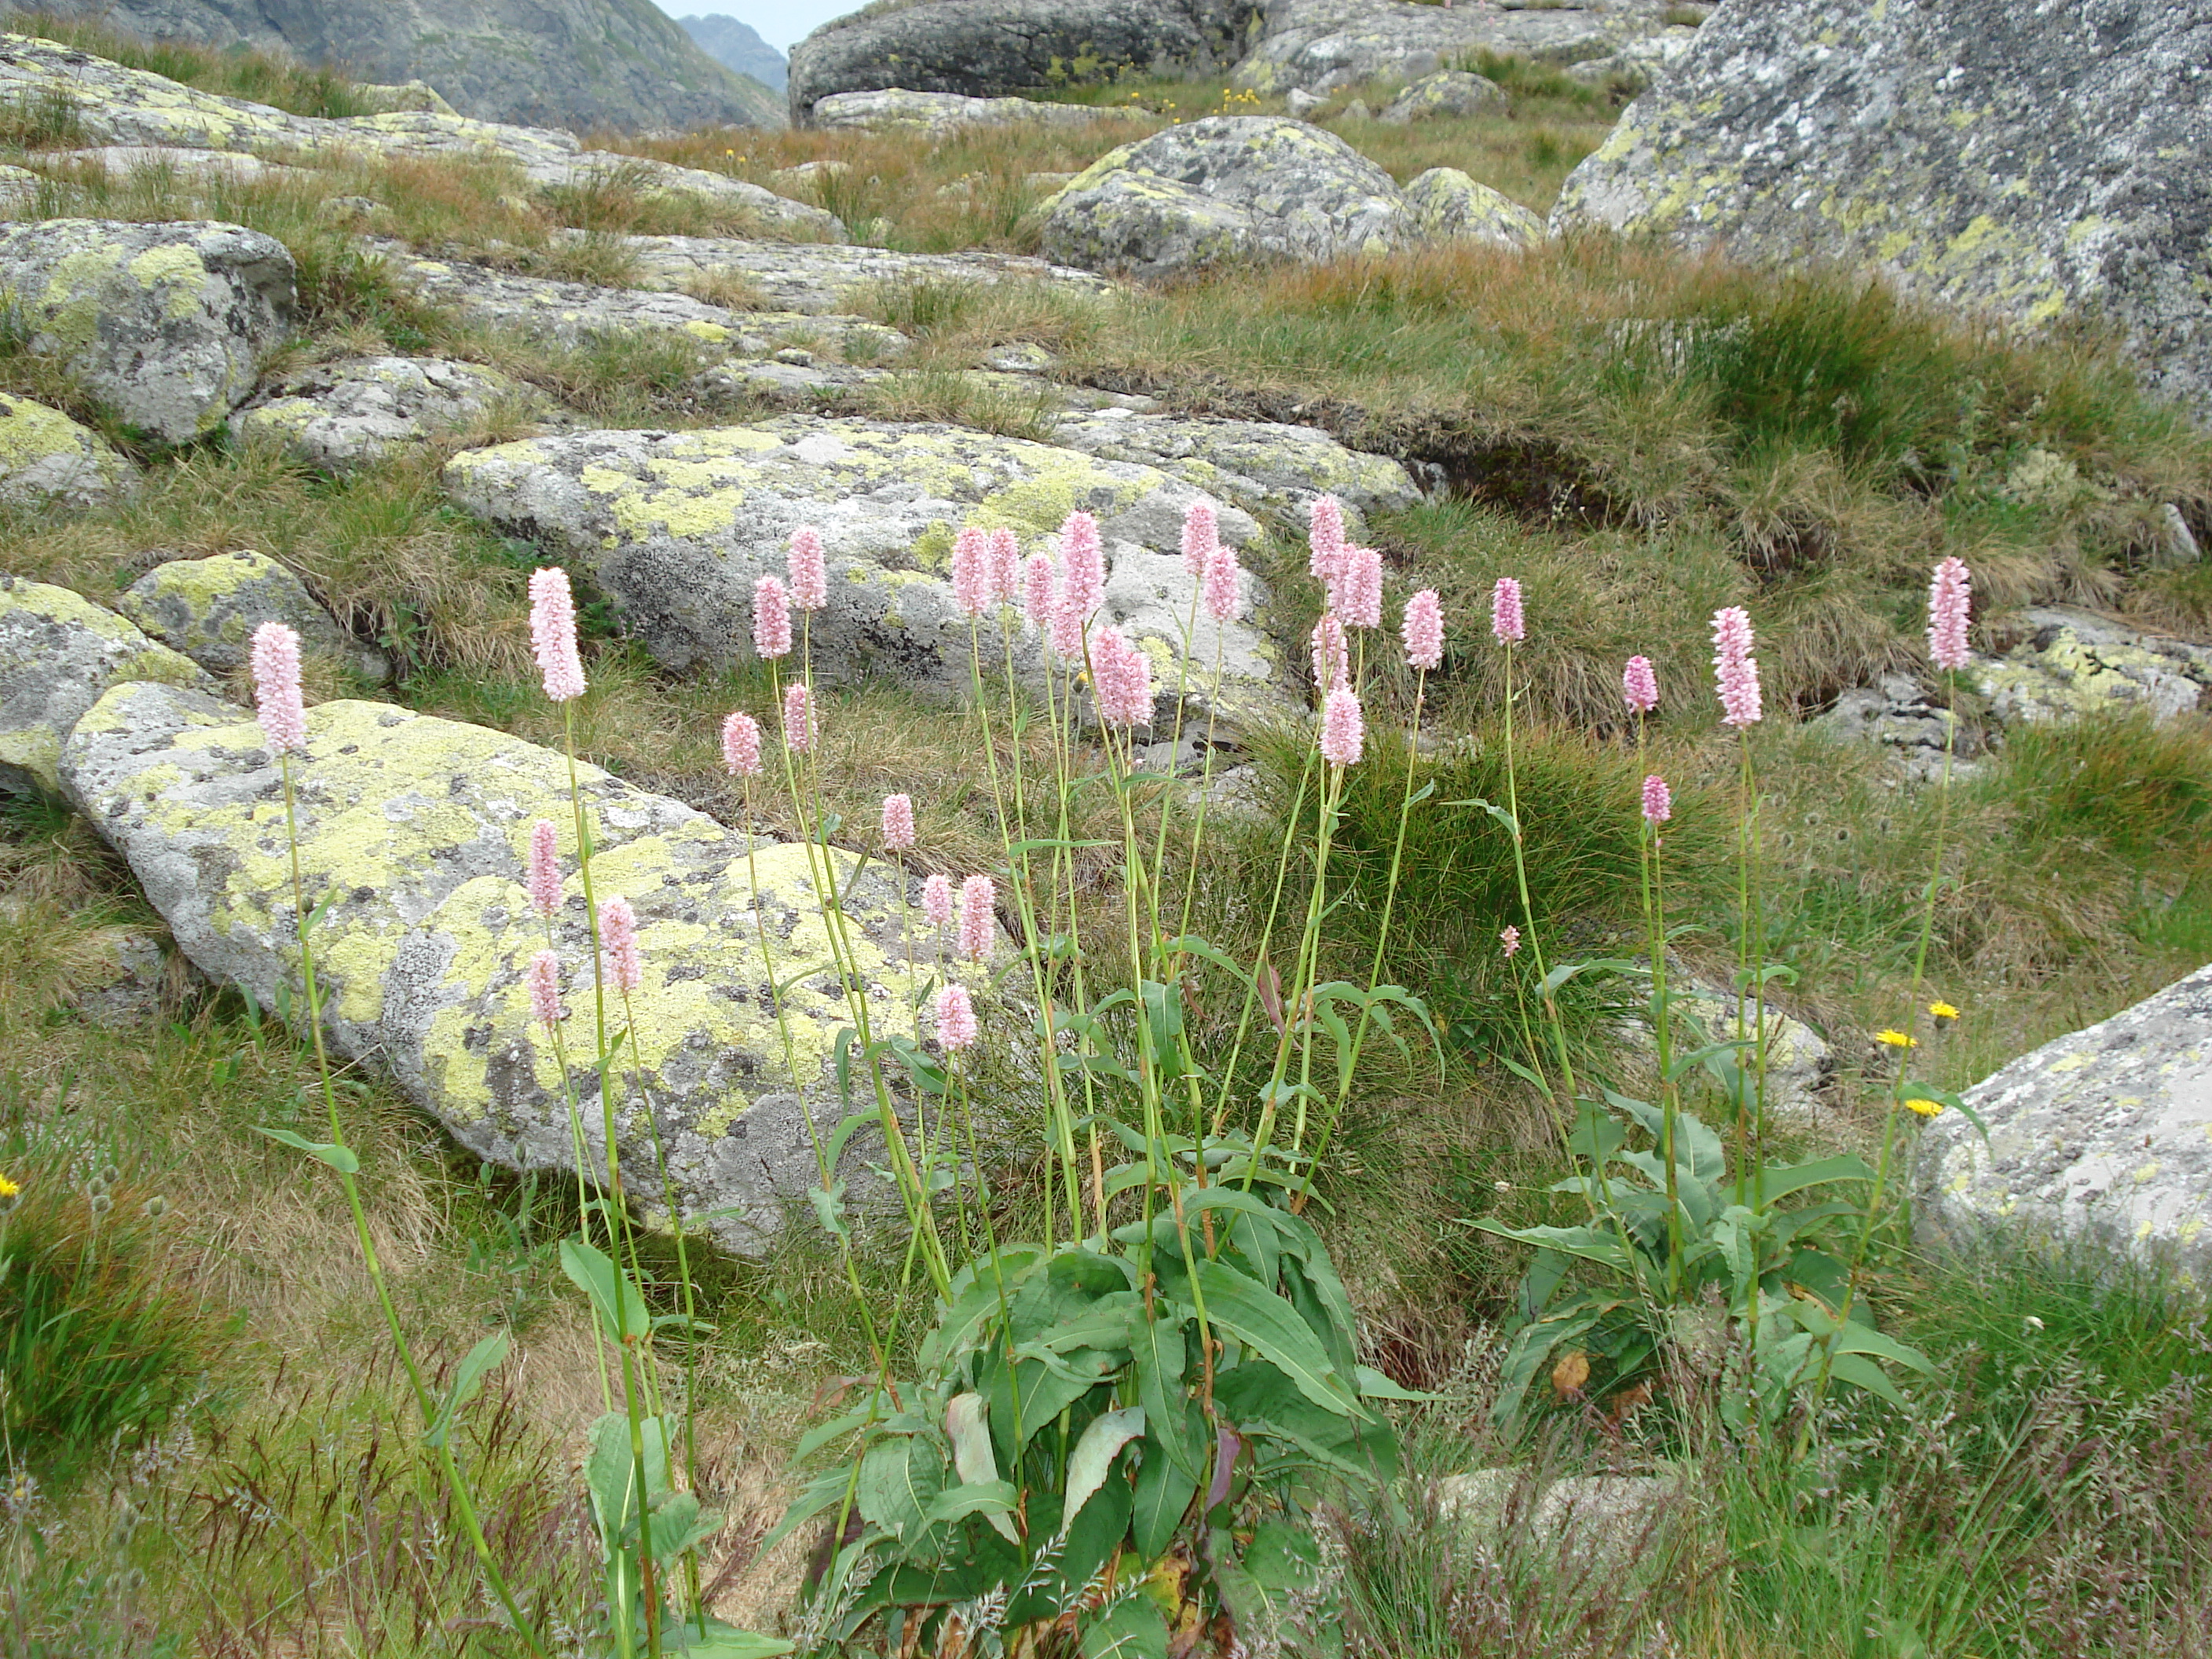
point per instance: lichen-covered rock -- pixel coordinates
(2076, 662)
(1322, 45)
(122, 161)
(1799, 1062)
(389, 98)
(1448, 92)
(933, 114)
(417, 829)
(1272, 470)
(58, 652)
(207, 609)
(1446, 205)
(1224, 189)
(166, 324)
(48, 460)
(675, 528)
(987, 48)
(1638, 62)
(1898, 717)
(2106, 1133)
(825, 279)
(2035, 161)
(341, 416)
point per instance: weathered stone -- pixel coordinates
(48, 460)
(581, 64)
(1898, 716)
(123, 984)
(987, 48)
(207, 609)
(119, 161)
(1323, 45)
(389, 98)
(1271, 471)
(933, 114)
(674, 529)
(416, 830)
(1638, 62)
(1591, 1522)
(1798, 1063)
(1302, 104)
(58, 652)
(1446, 205)
(2076, 662)
(826, 279)
(166, 324)
(1448, 92)
(345, 414)
(2034, 161)
(1224, 189)
(2106, 1133)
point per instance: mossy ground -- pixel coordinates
(1639, 438)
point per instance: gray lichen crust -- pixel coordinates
(2036, 162)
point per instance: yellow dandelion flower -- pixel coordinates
(1942, 1011)
(1924, 1107)
(1896, 1040)
(8, 1188)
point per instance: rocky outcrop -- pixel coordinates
(2106, 1133)
(1900, 719)
(988, 48)
(1447, 206)
(345, 414)
(933, 114)
(1225, 189)
(578, 64)
(1448, 92)
(2038, 163)
(58, 652)
(47, 460)
(166, 325)
(1322, 45)
(207, 610)
(416, 831)
(738, 45)
(675, 528)
(2076, 662)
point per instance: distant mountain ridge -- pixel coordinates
(575, 64)
(738, 46)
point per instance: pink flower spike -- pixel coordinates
(1505, 619)
(771, 618)
(1040, 590)
(1639, 685)
(978, 917)
(971, 572)
(898, 821)
(1122, 679)
(1225, 596)
(1083, 560)
(544, 978)
(1510, 941)
(937, 902)
(1067, 629)
(1325, 537)
(275, 662)
(1201, 537)
(1949, 599)
(1425, 630)
(1735, 673)
(810, 571)
(553, 634)
(544, 869)
(1006, 566)
(741, 745)
(618, 944)
(800, 729)
(1343, 732)
(956, 1020)
(1360, 588)
(1658, 803)
(1332, 662)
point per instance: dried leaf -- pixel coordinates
(1571, 1372)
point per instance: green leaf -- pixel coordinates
(1944, 1098)
(1130, 1627)
(1373, 1385)
(967, 1420)
(1862, 1338)
(1094, 1454)
(1272, 1328)
(830, 1209)
(994, 1500)
(1585, 1242)
(467, 1377)
(1160, 1351)
(1165, 1485)
(900, 1477)
(720, 1641)
(340, 1158)
(1865, 1373)
(1794, 1178)
(623, 1313)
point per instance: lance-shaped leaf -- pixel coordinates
(1094, 1454)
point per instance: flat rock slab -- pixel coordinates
(2105, 1133)
(933, 114)
(2034, 161)
(675, 528)
(166, 324)
(58, 652)
(821, 278)
(345, 414)
(47, 460)
(416, 830)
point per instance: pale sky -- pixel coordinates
(781, 23)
